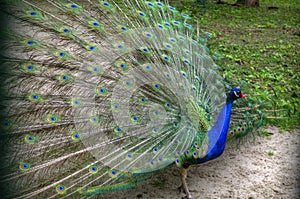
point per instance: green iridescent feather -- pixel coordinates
(98, 94)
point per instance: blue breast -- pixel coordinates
(217, 136)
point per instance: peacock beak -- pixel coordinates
(243, 95)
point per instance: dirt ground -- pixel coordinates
(249, 172)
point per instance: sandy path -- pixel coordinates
(248, 172)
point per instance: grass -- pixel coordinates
(259, 46)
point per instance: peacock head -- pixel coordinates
(235, 94)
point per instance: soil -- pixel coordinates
(267, 168)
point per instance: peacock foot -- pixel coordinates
(182, 190)
(189, 197)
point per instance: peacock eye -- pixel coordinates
(237, 93)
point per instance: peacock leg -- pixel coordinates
(183, 173)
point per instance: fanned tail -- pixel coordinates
(98, 94)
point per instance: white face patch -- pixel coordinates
(235, 94)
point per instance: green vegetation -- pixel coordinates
(265, 133)
(259, 46)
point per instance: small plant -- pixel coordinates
(265, 134)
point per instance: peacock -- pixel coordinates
(98, 95)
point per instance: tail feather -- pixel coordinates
(99, 94)
(248, 115)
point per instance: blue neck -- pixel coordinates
(217, 135)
